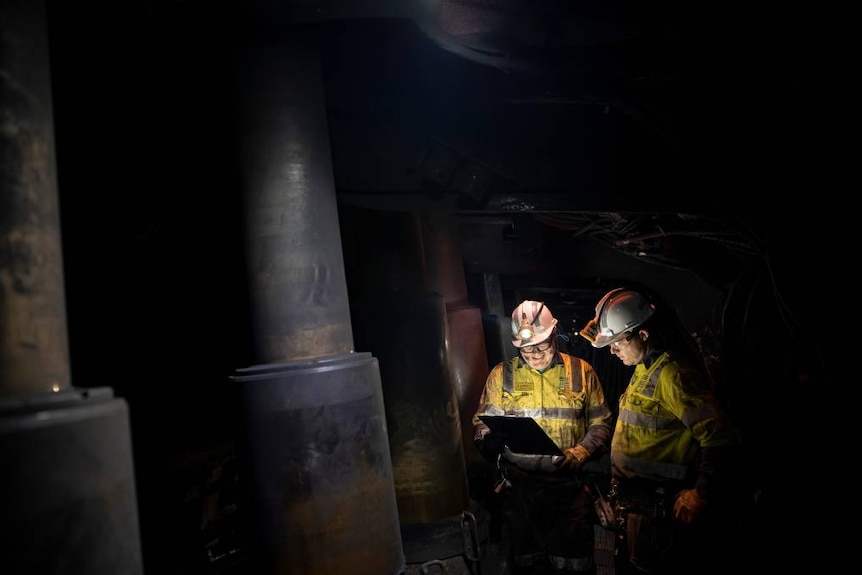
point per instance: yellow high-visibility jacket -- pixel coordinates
(566, 400)
(667, 415)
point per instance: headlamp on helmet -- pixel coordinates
(526, 330)
(532, 323)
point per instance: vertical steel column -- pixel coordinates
(408, 331)
(67, 491)
(467, 353)
(404, 324)
(317, 448)
(498, 321)
(34, 356)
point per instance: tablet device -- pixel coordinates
(521, 434)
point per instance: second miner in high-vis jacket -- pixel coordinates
(674, 451)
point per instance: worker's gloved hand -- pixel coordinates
(489, 446)
(688, 506)
(575, 457)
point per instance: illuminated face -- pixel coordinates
(630, 349)
(538, 356)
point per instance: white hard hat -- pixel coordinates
(619, 312)
(532, 323)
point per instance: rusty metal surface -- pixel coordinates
(422, 413)
(296, 276)
(34, 355)
(318, 457)
(67, 489)
(469, 365)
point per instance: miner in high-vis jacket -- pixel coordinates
(547, 512)
(674, 448)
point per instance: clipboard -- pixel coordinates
(521, 434)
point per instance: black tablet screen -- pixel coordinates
(521, 434)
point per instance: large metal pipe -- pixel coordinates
(408, 333)
(67, 487)
(34, 355)
(316, 440)
(67, 490)
(322, 481)
(468, 358)
(404, 324)
(296, 276)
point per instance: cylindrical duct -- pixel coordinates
(408, 335)
(322, 478)
(316, 448)
(34, 355)
(67, 491)
(67, 487)
(296, 276)
(469, 364)
(468, 358)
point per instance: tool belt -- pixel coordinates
(642, 496)
(643, 510)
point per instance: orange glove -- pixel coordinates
(688, 506)
(575, 457)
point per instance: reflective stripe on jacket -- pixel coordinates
(566, 400)
(666, 413)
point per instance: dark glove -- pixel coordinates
(575, 457)
(688, 506)
(490, 446)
